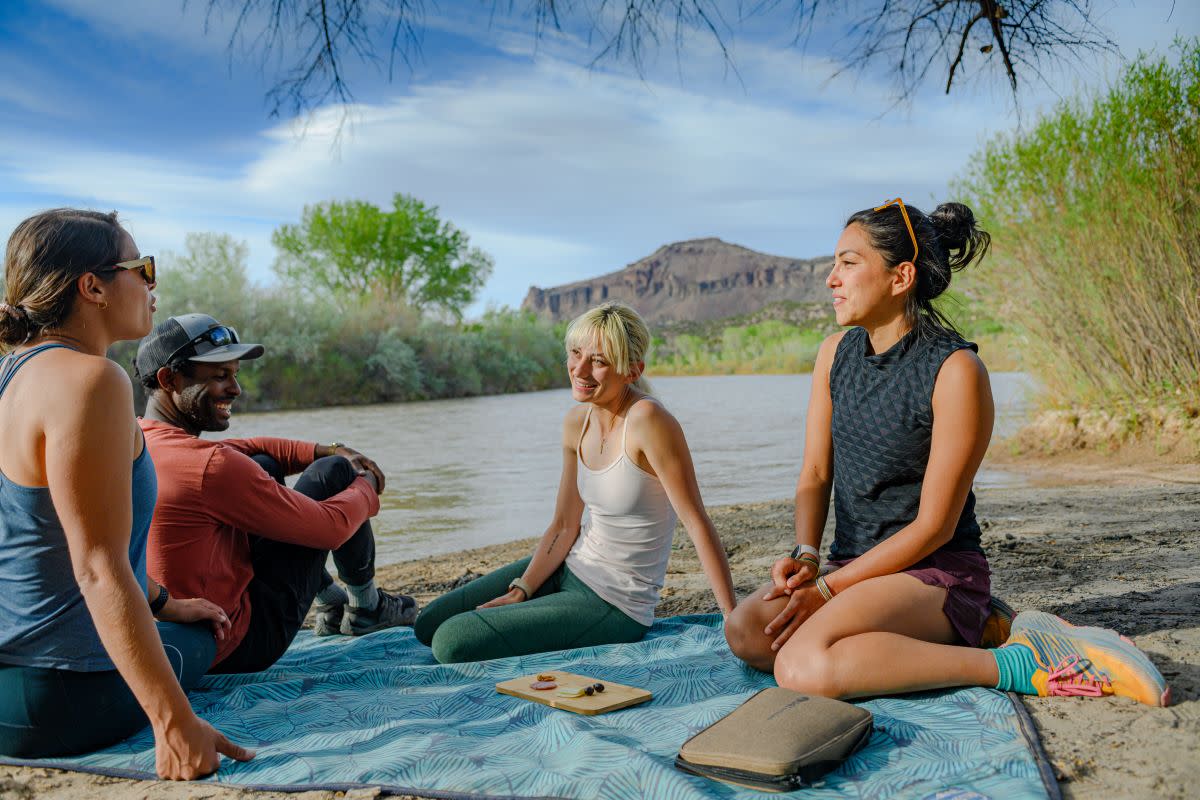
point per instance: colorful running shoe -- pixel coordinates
(1078, 661)
(998, 626)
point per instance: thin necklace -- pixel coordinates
(604, 436)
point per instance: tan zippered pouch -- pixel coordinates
(778, 739)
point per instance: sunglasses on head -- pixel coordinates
(144, 265)
(220, 336)
(907, 222)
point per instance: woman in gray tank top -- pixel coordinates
(82, 664)
(900, 417)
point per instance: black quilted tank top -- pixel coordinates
(882, 428)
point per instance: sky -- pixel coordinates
(560, 167)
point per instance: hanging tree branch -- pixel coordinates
(912, 37)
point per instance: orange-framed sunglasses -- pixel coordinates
(907, 222)
(144, 265)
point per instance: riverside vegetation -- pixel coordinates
(326, 348)
(1092, 286)
(1095, 223)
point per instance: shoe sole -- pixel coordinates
(322, 628)
(1051, 638)
(348, 628)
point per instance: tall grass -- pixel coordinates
(1095, 222)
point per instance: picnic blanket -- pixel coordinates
(339, 713)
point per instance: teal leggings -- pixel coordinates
(53, 712)
(563, 613)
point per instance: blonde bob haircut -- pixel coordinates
(620, 332)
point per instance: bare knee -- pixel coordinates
(744, 634)
(809, 669)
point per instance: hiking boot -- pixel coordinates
(328, 616)
(390, 611)
(998, 625)
(1078, 661)
(328, 620)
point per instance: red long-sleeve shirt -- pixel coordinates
(211, 496)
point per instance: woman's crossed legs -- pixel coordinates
(881, 636)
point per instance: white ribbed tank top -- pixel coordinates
(623, 550)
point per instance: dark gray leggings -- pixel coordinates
(60, 712)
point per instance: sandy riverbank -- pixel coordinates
(1117, 546)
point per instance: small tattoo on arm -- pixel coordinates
(550, 547)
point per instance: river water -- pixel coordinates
(482, 470)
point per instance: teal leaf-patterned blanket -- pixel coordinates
(377, 710)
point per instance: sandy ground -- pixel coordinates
(1096, 541)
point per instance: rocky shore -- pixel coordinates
(1100, 545)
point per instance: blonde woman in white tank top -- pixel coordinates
(626, 462)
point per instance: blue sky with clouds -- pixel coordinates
(559, 168)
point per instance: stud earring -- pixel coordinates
(104, 306)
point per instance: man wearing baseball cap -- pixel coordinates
(226, 528)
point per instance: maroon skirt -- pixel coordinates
(967, 579)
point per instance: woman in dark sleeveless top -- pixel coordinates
(900, 417)
(82, 664)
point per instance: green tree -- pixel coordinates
(208, 277)
(406, 254)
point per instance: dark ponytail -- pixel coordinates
(46, 254)
(948, 241)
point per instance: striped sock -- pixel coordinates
(1016, 665)
(365, 596)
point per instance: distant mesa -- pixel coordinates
(697, 280)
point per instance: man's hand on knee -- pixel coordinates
(362, 465)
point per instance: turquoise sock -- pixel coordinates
(1016, 665)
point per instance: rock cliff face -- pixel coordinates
(699, 280)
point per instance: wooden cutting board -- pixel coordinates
(614, 696)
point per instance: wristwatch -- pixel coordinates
(156, 605)
(801, 549)
(517, 583)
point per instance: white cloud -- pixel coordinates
(559, 171)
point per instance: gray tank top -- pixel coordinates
(44, 621)
(882, 430)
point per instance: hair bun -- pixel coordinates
(15, 325)
(954, 223)
(958, 234)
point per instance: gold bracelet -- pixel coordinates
(824, 589)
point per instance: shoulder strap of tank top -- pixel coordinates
(582, 431)
(625, 427)
(12, 362)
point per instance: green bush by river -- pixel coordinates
(323, 350)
